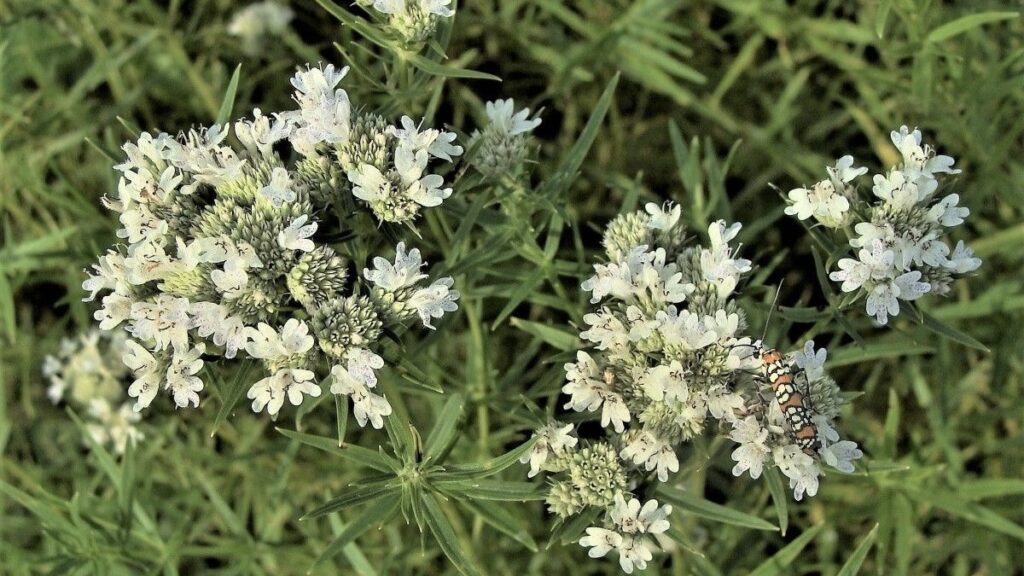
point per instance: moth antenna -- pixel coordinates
(775, 301)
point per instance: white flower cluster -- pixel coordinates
(257, 23)
(900, 234)
(503, 144)
(630, 526)
(87, 372)
(222, 258)
(383, 165)
(413, 21)
(670, 353)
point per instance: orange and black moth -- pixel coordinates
(778, 373)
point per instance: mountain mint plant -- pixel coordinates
(233, 252)
(669, 360)
(899, 234)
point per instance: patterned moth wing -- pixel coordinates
(777, 371)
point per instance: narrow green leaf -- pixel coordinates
(400, 432)
(882, 16)
(855, 354)
(358, 454)
(853, 564)
(231, 520)
(341, 410)
(555, 336)
(372, 516)
(523, 290)
(990, 488)
(780, 497)
(711, 511)
(437, 69)
(965, 23)
(443, 433)
(569, 532)
(946, 331)
(504, 519)
(355, 495)
(228, 103)
(490, 467)
(967, 510)
(444, 533)
(779, 563)
(231, 396)
(570, 165)
(501, 490)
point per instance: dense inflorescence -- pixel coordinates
(228, 250)
(670, 361)
(87, 374)
(899, 232)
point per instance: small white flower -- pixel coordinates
(947, 213)
(897, 191)
(554, 437)
(844, 172)
(962, 260)
(148, 374)
(629, 538)
(666, 383)
(811, 362)
(614, 412)
(434, 300)
(585, 387)
(267, 344)
(663, 217)
(606, 330)
(800, 468)
(404, 272)
(503, 116)
(920, 162)
(279, 190)
(164, 322)
(181, 376)
(821, 202)
(723, 403)
(116, 427)
(233, 279)
(296, 235)
(116, 309)
(841, 455)
(110, 275)
(436, 143)
(684, 329)
(653, 453)
(355, 381)
(600, 541)
(753, 450)
(882, 302)
(212, 319)
(290, 383)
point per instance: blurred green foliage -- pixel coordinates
(718, 100)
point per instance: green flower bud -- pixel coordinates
(342, 323)
(317, 277)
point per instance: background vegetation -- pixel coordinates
(718, 100)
